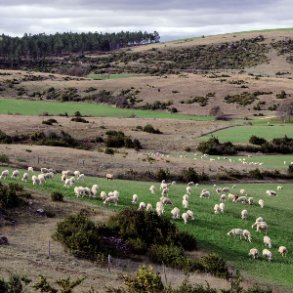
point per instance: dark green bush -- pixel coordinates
(79, 119)
(256, 140)
(189, 175)
(150, 129)
(214, 264)
(109, 151)
(214, 147)
(80, 236)
(137, 245)
(163, 174)
(118, 139)
(290, 169)
(4, 159)
(8, 196)
(186, 240)
(56, 196)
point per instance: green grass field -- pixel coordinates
(211, 230)
(25, 107)
(241, 134)
(111, 76)
(268, 161)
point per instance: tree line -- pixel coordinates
(36, 48)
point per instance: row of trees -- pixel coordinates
(39, 47)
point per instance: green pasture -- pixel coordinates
(34, 108)
(241, 134)
(211, 229)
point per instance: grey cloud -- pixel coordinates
(170, 18)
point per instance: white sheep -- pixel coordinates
(165, 191)
(152, 189)
(279, 187)
(261, 226)
(185, 217)
(190, 183)
(188, 189)
(15, 174)
(190, 214)
(244, 214)
(222, 207)
(109, 176)
(69, 182)
(271, 193)
(185, 203)
(261, 203)
(94, 190)
(63, 177)
(267, 254)
(49, 175)
(185, 196)
(149, 207)
(44, 170)
(166, 200)
(103, 195)
(253, 252)
(283, 250)
(267, 241)
(141, 206)
(4, 174)
(250, 200)
(225, 189)
(236, 232)
(232, 196)
(35, 180)
(218, 190)
(111, 199)
(223, 197)
(81, 177)
(78, 191)
(175, 212)
(42, 179)
(134, 199)
(66, 173)
(159, 208)
(242, 199)
(247, 235)
(205, 194)
(243, 191)
(76, 173)
(30, 169)
(217, 209)
(24, 177)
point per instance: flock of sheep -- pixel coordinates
(70, 179)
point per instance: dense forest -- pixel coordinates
(36, 48)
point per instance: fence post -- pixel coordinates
(49, 249)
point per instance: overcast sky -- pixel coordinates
(172, 19)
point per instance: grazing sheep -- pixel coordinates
(81, 177)
(190, 214)
(42, 179)
(244, 214)
(218, 190)
(163, 185)
(247, 235)
(242, 199)
(175, 213)
(152, 189)
(49, 175)
(185, 217)
(94, 190)
(111, 199)
(188, 189)
(141, 206)
(223, 197)
(222, 207)
(253, 252)
(109, 176)
(103, 195)
(44, 170)
(24, 177)
(76, 173)
(4, 174)
(267, 254)
(134, 199)
(35, 180)
(185, 203)
(217, 209)
(165, 191)
(232, 196)
(259, 219)
(235, 232)
(283, 250)
(15, 174)
(63, 177)
(116, 193)
(242, 191)
(190, 183)
(267, 241)
(66, 173)
(261, 226)
(185, 196)
(166, 200)
(205, 193)
(261, 203)
(69, 182)
(271, 193)
(279, 187)
(159, 208)
(149, 207)
(30, 169)
(79, 191)
(250, 200)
